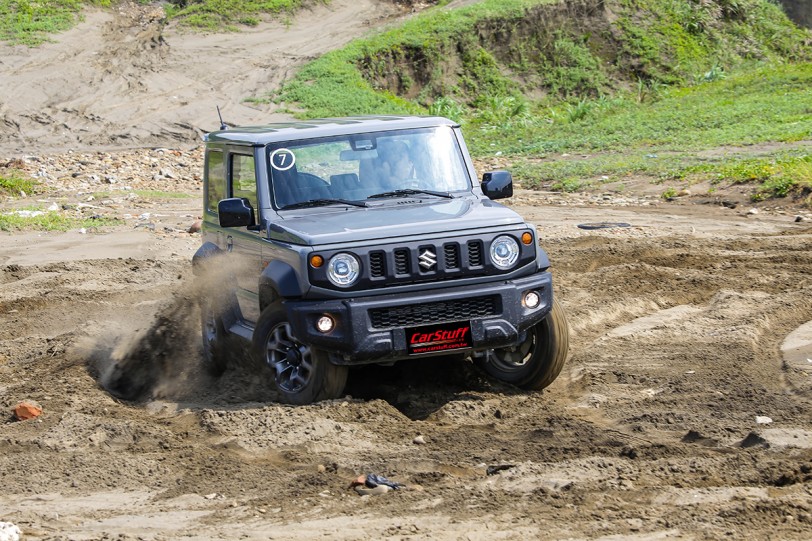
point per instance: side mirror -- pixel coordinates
(235, 212)
(497, 184)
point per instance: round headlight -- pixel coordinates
(504, 252)
(343, 270)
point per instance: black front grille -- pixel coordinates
(435, 312)
(400, 263)
(377, 264)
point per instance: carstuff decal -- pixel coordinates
(435, 338)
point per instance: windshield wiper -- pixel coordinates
(322, 203)
(410, 191)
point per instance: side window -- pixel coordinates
(215, 179)
(243, 178)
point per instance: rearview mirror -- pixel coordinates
(497, 184)
(235, 212)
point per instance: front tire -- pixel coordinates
(301, 374)
(538, 358)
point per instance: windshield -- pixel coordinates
(354, 167)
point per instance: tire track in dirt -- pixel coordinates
(124, 78)
(650, 431)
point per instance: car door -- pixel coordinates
(243, 245)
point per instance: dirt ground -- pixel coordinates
(684, 411)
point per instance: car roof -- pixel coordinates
(321, 127)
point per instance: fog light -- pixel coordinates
(532, 299)
(325, 324)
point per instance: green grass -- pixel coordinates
(663, 140)
(14, 184)
(340, 83)
(666, 78)
(31, 23)
(49, 221)
(216, 15)
(755, 106)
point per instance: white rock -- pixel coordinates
(9, 532)
(752, 211)
(419, 440)
(763, 420)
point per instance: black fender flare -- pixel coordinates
(542, 261)
(204, 254)
(278, 280)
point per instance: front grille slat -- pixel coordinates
(452, 256)
(402, 261)
(434, 312)
(474, 253)
(377, 264)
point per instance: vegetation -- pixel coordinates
(30, 22)
(225, 14)
(160, 194)
(15, 183)
(640, 94)
(641, 87)
(44, 220)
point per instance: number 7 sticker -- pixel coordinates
(282, 159)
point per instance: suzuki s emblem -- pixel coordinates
(428, 259)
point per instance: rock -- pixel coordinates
(763, 420)
(419, 440)
(195, 227)
(27, 409)
(752, 211)
(380, 489)
(799, 218)
(9, 532)
(754, 440)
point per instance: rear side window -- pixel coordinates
(215, 179)
(243, 178)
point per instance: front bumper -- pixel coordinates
(373, 329)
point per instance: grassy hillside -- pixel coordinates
(642, 77)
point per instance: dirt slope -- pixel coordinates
(123, 79)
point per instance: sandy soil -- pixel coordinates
(125, 79)
(684, 411)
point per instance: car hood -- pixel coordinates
(390, 219)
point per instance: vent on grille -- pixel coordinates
(377, 266)
(452, 256)
(434, 312)
(401, 261)
(474, 253)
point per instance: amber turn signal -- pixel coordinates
(527, 238)
(316, 261)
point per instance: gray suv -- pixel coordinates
(340, 242)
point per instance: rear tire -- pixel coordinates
(301, 374)
(538, 358)
(213, 333)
